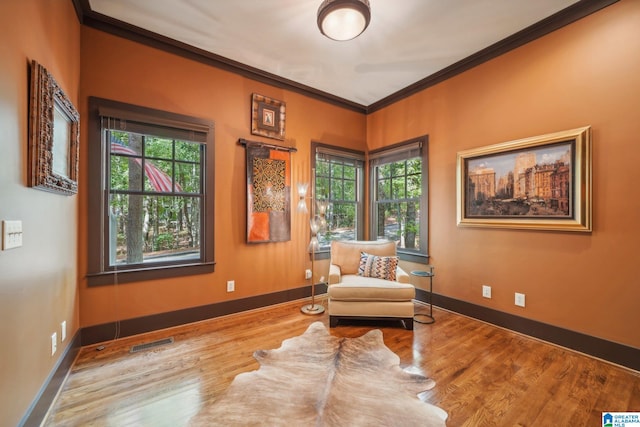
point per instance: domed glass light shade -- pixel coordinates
(343, 20)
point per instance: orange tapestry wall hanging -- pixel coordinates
(268, 194)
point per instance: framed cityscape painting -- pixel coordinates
(542, 182)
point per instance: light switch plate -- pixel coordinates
(11, 234)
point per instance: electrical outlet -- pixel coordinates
(519, 299)
(486, 291)
(231, 285)
(307, 274)
(54, 343)
(63, 330)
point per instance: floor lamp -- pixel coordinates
(316, 223)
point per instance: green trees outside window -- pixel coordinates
(155, 198)
(339, 181)
(399, 196)
(399, 187)
(151, 193)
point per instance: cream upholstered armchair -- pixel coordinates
(365, 282)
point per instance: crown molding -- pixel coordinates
(552, 23)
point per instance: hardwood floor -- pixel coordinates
(485, 376)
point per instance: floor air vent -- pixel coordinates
(153, 344)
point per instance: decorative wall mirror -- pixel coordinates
(54, 132)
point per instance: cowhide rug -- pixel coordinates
(320, 380)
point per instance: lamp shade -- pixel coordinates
(314, 245)
(343, 20)
(302, 193)
(314, 225)
(303, 187)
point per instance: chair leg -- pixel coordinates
(333, 321)
(408, 323)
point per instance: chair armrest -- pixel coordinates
(334, 274)
(402, 276)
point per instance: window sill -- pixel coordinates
(413, 257)
(148, 273)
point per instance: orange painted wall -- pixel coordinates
(122, 70)
(38, 281)
(585, 74)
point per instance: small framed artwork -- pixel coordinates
(54, 132)
(542, 183)
(267, 117)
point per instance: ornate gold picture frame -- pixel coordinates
(267, 117)
(542, 183)
(54, 132)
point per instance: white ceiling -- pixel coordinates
(406, 41)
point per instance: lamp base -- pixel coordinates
(312, 309)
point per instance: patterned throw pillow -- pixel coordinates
(381, 267)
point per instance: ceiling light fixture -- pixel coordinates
(343, 20)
